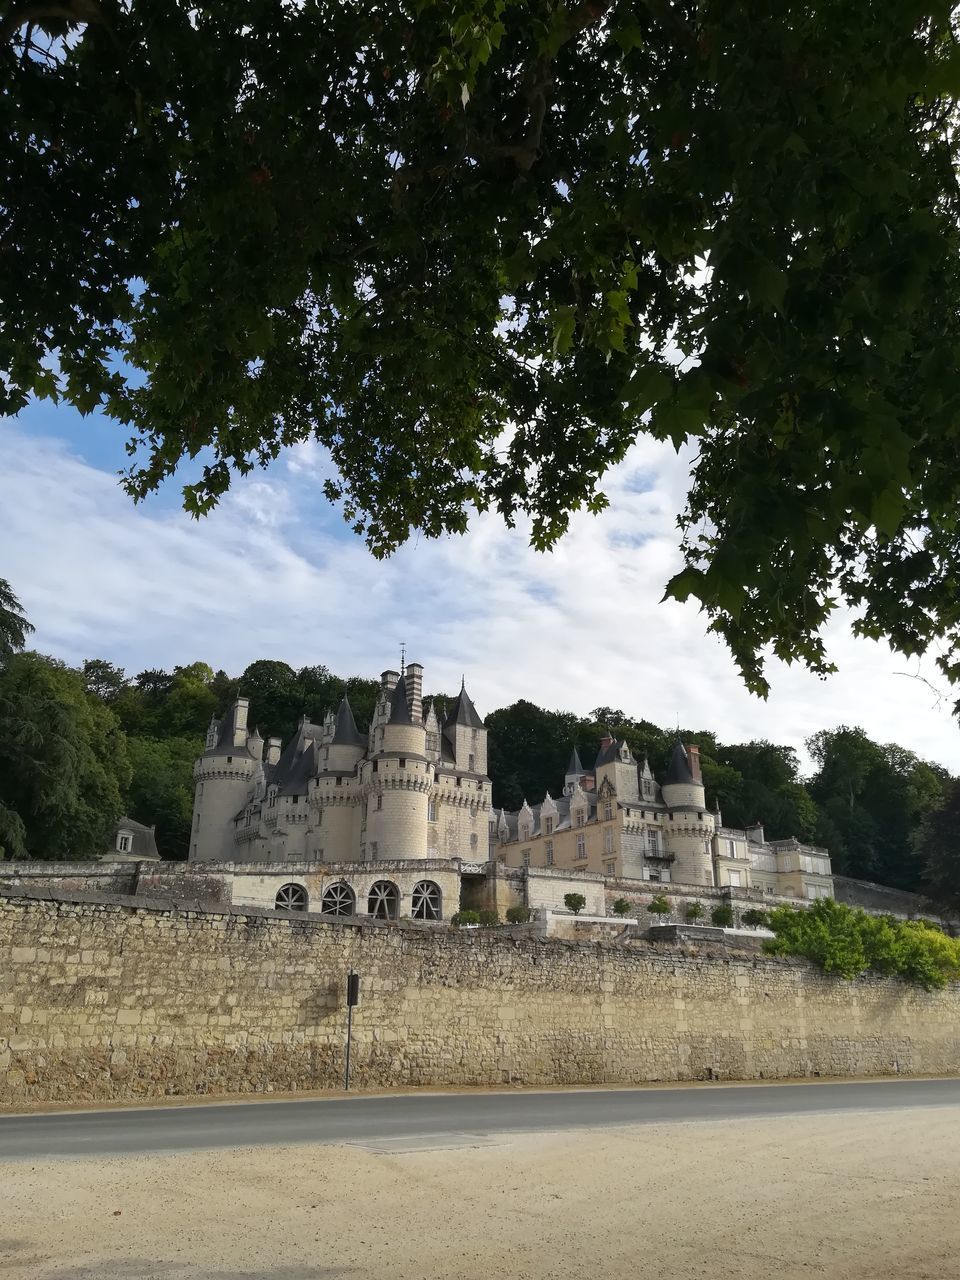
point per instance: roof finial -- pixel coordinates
(463, 681)
(403, 655)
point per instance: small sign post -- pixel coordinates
(353, 998)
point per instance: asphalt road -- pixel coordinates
(421, 1118)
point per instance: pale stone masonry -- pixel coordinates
(103, 1001)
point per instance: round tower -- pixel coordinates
(397, 782)
(223, 777)
(688, 826)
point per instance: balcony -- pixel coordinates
(659, 855)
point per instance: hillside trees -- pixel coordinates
(461, 243)
(63, 763)
(14, 627)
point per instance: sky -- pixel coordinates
(275, 573)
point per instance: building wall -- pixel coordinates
(110, 1001)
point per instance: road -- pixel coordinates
(440, 1118)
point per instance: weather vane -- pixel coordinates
(403, 655)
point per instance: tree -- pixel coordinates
(693, 912)
(574, 902)
(103, 679)
(621, 907)
(63, 763)
(14, 627)
(659, 906)
(722, 915)
(161, 789)
(755, 919)
(938, 845)
(461, 244)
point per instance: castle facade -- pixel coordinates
(415, 788)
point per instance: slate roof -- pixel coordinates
(607, 754)
(678, 771)
(463, 712)
(575, 766)
(143, 840)
(346, 733)
(399, 708)
(225, 733)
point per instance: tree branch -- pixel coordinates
(35, 11)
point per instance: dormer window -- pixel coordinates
(124, 842)
(548, 826)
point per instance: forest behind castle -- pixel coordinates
(79, 747)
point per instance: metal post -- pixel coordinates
(353, 997)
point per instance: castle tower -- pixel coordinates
(398, 779)
(617, 765)
(336, 795)
(223, 778)
(575, 772)
(466, 735)
(689, 828)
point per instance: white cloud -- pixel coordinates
(272, 574)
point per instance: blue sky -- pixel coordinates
(274, 572)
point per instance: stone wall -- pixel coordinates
(116, 1000)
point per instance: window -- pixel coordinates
(376, 766)
(608, 841)
(581, 846)
(735, 879)
(458, 782)
(433, 742)
(200, 792)
(379, 800)
(383, 901)
(609, 868)
(472, 763)
(320, 818)
(474, 840)
(653, 873)
(653, 843)
(402, 763)
(581, 817)
(123, 840)
(607, 810)
(431, 810)
(294, 799)
(731, 848)
(339, 900)
(229, 759)
(548, 850)
(318, 854)
(339, 781)
(373, 850)
(291, 897)
(525, 857)
(768, 889)
(426, 901)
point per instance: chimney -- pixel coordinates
(693, 759)
(415, 691)
(240, 708)
(273, 750)
(605, 741)
(755, 833)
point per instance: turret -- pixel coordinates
(466, 734)
(397, 781)
(224, 777)
(617, 765)
(688, 828)
(402, 734)
(255, 745)
(683, 785)
(575, 772)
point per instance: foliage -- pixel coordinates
(518, 915)
(14, 627)
(574, 902)
(693, 911)
(63, 763)
(621, 907)
(659, 905)
(460, 244)
(161, 789)
(848, 942)
(722, 915)
(461, 918)
(488, 917)
(939, 850)
(754, 918)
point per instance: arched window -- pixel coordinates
(292, 897)
(427, 901)
(383, 901)
(339, 900)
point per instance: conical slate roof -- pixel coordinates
(575, 766)
(399, 710)
(463, 712)
(345, 733)
(678, 770)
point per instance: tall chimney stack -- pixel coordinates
(415, 691)
(693, 758)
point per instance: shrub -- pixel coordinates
(693, 911)
(722, 915)
(518, 915)
(488, 918)
(847, 941)
(754, 918)
(659, 906)
(574, 902)
(621, 907)
(465, 917)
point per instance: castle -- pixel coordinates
(414, 789)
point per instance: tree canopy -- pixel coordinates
(475, 247)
